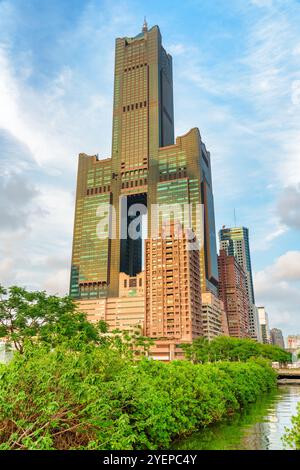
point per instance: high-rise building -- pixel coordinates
(173, 297)
(263, 319)
(277, 337)
(235, 241)
(214, 318)
(148, 177)
(233, 293)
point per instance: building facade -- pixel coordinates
(235, 241)
(277, 337)
(233, 293)
(293, 342)
(293, 346)
(173, 297)
(263, 319)
(148, 179)
(214, 318)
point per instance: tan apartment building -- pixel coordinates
(214, 318)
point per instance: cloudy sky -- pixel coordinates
(236, 77)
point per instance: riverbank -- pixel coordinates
(260, 426)
(95, 399)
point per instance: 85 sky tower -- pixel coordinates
(146, 168)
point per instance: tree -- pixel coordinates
(198, 351)
(131, 343)
(224, 348)
(93, 398)
(35, 316)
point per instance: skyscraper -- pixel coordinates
(235, 241)
(277, 337)
(263, 319)
(233, 293)
(147, 174)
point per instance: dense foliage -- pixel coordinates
(292, 436)
(97, 398)
(232, 349)
(37, 317)
(73, 385)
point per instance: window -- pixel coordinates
(132, 282)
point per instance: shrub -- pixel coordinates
(95, 398)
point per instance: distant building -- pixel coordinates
(233, 293)
(293, 346)
(293, 342)
(264, 325)
(277, 337)
(214, 317)
(235, 241)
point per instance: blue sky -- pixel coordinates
(236, 77)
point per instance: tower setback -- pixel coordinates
(149, 179)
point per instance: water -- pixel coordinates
(259, 427)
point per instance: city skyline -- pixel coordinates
(277, 265)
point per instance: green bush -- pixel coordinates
(95, 398)
(224, 348)
(292, 436)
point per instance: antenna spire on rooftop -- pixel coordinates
(145, 25)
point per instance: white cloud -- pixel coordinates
(280, 230)
(271, 72)
(288, 206)
(42, 130)
(177, 49)
(39, 256)
(278, 288)
(58, 282)
(23, 123)
(16, 196)
(262, 3)
(287, 267)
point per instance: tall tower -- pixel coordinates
(146, 175)
(235, 241)
(233, 292)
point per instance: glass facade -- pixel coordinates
(146, 166)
